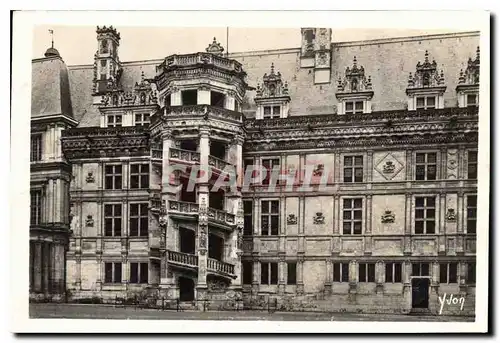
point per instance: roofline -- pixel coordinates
(297, 50)
(41, 59)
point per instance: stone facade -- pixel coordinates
(375, 207)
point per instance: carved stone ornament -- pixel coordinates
(291, 219)
(426, 75)
(388, 167)
(203, 238)
(318, 170)
(89, 222)
(90, 178)
(319, 218)
(471, 75)
(217, 286)
(162, 221)
(388, 217)
(355, 80)
(215, 48)
(272, 86)
(451, 216)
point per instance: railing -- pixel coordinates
(202, 110)
(182, 258)
(221, 267)
(221, 216)
(182, 206)
(203, 58)
(218, 163)
(185, 155)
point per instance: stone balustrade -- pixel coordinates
(221, 216)
(220, 267)
(183, 207)
(182, 258)
(185, 155)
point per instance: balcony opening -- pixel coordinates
(218, 149)
(215, 247)
(216, 200)
(189, 97)
(217, 99)
(186, 289)
(189, 144)
(168, 100)
(187, 196)
(187, 241)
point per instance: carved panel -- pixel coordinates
(452, 164)
(389, 166)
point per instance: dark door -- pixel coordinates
(187, 241)
(186, 289)
(215, 247)
(420, 293)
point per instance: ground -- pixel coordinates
(78, 311)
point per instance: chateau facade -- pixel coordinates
(349, 174)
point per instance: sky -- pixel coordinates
(77, 44)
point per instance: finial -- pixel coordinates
(355, 62)
(426, 56)
(52, 37)
(477, 53)
(272, 68)
(142, 76)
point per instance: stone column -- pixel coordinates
(38, 270)
(408, 224)
(461, 211)
(368, 225)
(58, 258)
(46, 267)
(353, 276)
(379, 276)
(167, 193)
(282, 270)
(434, 276)
(256, 276)
(406, 285)
(329, 276)
(300, 274)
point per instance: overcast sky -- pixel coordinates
(77, 44)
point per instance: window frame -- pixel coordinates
(425, 220)
(141, 232)
(471, 219)
(368, 266)
(248, 227)
(271, 113)
(471, 267)
(447, 273)
(269, 169)
(352, 210)
(140, 277)
(142, 176)
(269, 271)
(343, 272)
(354, 110)
(250, 273)
(114, 122)
(113, 176)
(36, 141)
(353, 166)
(420, 264)
(426, 106)
(476, 100)
(392, 266)
(113, 219)
(269, 214)
(473, 163)
(114, 269)
(291, 266)
(36, 206)
(426, 164)
(144, 119)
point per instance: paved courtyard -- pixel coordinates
(80, 311)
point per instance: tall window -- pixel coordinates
(272, 112)
(113, 220)
(448, 273)
(269, 165)
(353, 107)
(247, 270)
(425, 215)
(471, 213)
(393, 272)
(139, 272)
(426, 102)
(139, 176)
(269, 219)
(353, 168)
(112, 272)
(425, 166)
(114, 120)
(352, 216)
(113, 177)
(35, 207)
(142, 119)
(189, 97)
(291, 276)
(269, 273)
(139, 220)
(420, 269)
(366, 272)
(340, 272)
(470, 277)
(248, 217)
(36, 148)
(472, 100)
(472, 165)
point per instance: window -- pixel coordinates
(420, 269)
(35, 207)
(353, 168)
(103, 70)
(217, 99)
(272, 112)
(353, 107)
(472, 165)
(393, 272)
(366, 272)
(425, 215)
(113, 177)
(448, 273)
(425, 166)
(470, 277)
(142, 119)
(139, 220)
(269, 273)
(291, 278)
(472, 100)
(247, 270)
(352, 216)
(139, 176)
(114, 120)
(426, 102)
(189, 97)
(113, 220)
(247, 217)
(340, 272)
(36, 148)
(471, 213)
(269, 165)
(112, 272)
(270, 220)
(139, 272)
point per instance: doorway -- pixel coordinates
(215, 247)
(420, 293)
(186, 289)
(187, 241)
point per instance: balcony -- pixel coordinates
(182, 259)
(220, 268)
(183, 210)
(221, 218)
(198, 111)
(185, 155)
(219, 164)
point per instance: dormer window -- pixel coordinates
(272, 97)
(189, 97)
(426, 87)
(472, 100)
(468, 84)
(272, 112)
(114, 120)
(217, 99)
(354, 91)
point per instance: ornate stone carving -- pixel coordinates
(215, 48)
(291, 219)
(272, 86)
(89, 222)
(388, 217)
(203, 237)
(217, 286)
(319, 218)
(471, 75)
(426, 75)
(389, 166)
(355, 80)
(452, 163)
(451, 216)
(318, 170)
(143, 94)
(90, 178)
